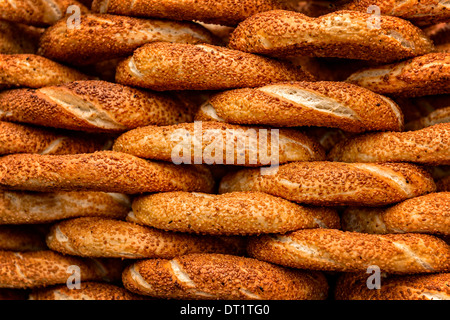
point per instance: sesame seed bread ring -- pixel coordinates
(37, 12)
(18, 138)
(16, 38)
(235, 213)
(37, 269)
(223, 277)
(22, 207)
(32, 71)
(345, 251)
(224, 12)
(419, 12)
(438, 116)
(92, 106)
(335, 183)
(106, 171)
(430, 146)
(424, 214)
(164, 66)
(103, 37)
(246, 146)
(97, 237)
(394, 287)
(340, 34)
(325, 104)
(89, 290)
(420, 76)
(21, 238)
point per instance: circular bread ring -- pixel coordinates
(21, 238)
(18, 138)
(21, 207)
(106, 171)
(420, 76)
(430, 146)
(225, 12)
(164, 66)
(37, 269)
(93, 106)
(235, 213)
(326, 183)
(37, 12)
(97, 237)
(435, 117)
(221, 143)
(421, 13)
(104, 37)
(424, 214)
(224, 277)
(325, 104)
(33, 71)
(17, 38)
(340, 34)
(345, 251)
(89, 290)
(394, 287)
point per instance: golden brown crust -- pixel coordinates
(424, 214)
(106, 171)
(430, 146)
(18, 138)
(93, 106)
(221, 143)
(21, 207)
(235, 213)
(225, 12)
(441, 115)
(420, 12)
(345, 251)
(33, 71)
(104, 37)
(44, 268)
(224, 277)
(399, 287)
(16, 38)
(37, 12)
(97, 237)
(335, 183)
(88, 290)
(173, 66)
(340, 34)
(21, 238)
(420, 76)
(324, 104)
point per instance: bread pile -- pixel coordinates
(122, 162)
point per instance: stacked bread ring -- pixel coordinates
(241, 150)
